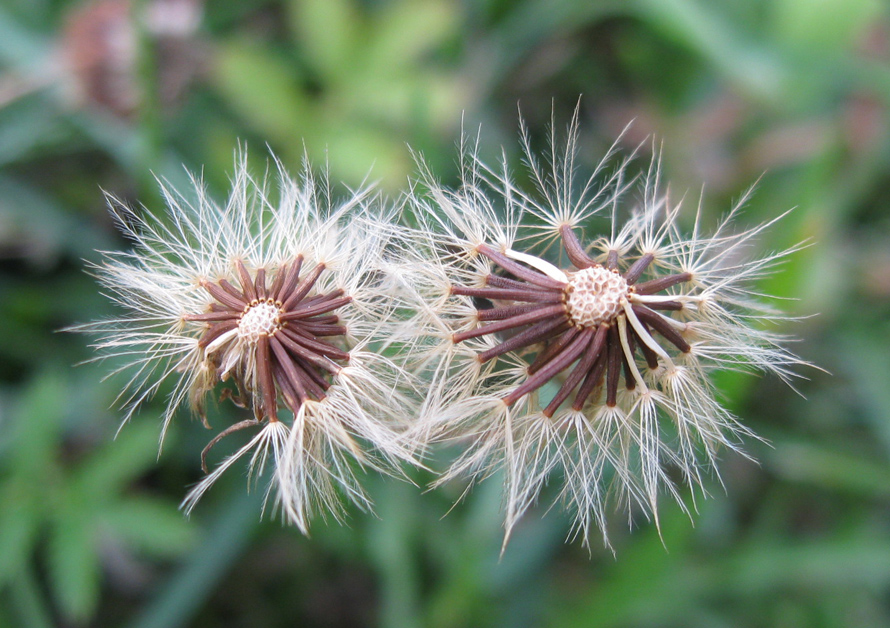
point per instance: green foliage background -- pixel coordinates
(793, 94)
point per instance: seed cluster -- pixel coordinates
(592, 321)
(282, 327)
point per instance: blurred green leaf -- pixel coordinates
(824, 26)
(27, 488)
(840, 563)
(77, 503)
(646, 584)
(406, 31)
(34, 428)
(262, 87)
(29, 126)
(31, 609)
(866, 362)
(73, 563)
(29, 217)
(392, 544)
(184, 593)
(701, 27)
(149, 525)
(19, 527)
(852, 473)
(20, 46)
(328, 29)
(111, 468)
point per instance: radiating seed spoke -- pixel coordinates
(314, 300)
(673, 306)
(511, 323)
(246, 282)
(278, 282)
(649, 354)
(216, 331)
(320, 331)
(291, 396)
(290, 280)
(320, 298)
(224, 297)
(319, 308)
(535, 333)
(630, 383)
(329, 319)
(662, 283)
(266, 380)
(536, 296)
(212, 317)
(500, 313)
(613, 366)
(307, 354)
(319, 346)
(496, 281)
(593, 379)
(656, 322)
(312, 371)
(303, 287)
(550, 370)
(233, 291)
(518, 270)
(295, 378)
(637, 269)
(552, 349)
(259, 283)
(593, 346)
(574, 249)
(312, 385)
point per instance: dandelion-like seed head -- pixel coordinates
(280, 298)
(596, 319)
(283, 330)
(590, 358)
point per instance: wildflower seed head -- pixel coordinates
(278, 300)
(595, 296)
(259, 319)
(597, 372)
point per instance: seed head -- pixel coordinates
(592, 362)
(276, 300)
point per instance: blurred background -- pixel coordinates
(106, 94)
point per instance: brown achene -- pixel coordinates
(583, 321)
(281, 328)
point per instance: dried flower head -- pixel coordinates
(281, 300)
(590, 358)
